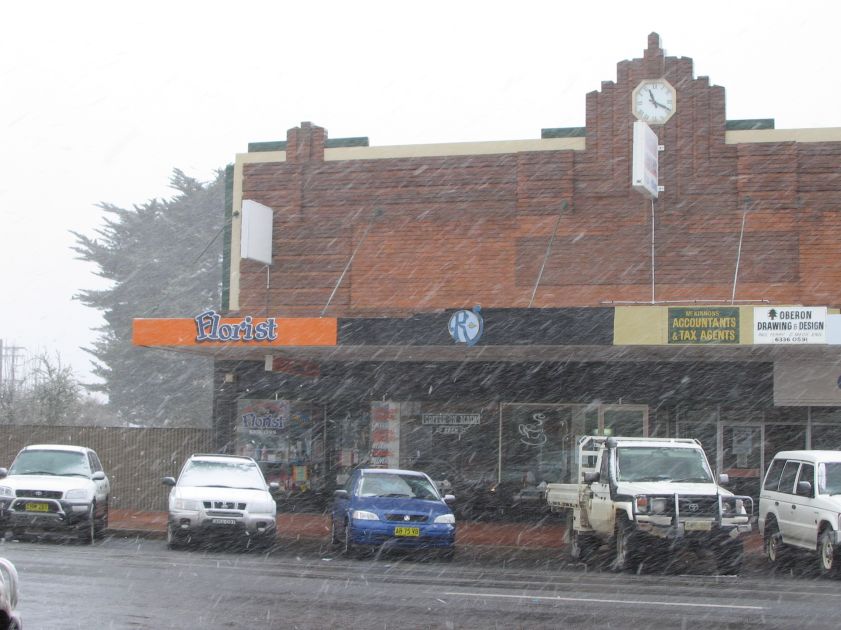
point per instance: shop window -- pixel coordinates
(826, 429)
(700, 423)
(286, 438)
(456, 444)
(537, 443)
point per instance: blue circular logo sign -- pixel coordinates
(466, 326)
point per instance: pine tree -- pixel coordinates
(164, 259)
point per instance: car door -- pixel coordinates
(600, 506)
(341, 504)
(783, 501)
(102, 485)
(804, 516)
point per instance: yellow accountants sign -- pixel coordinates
(704, 325)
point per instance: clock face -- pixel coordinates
(654, 101)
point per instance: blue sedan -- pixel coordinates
(394, 509)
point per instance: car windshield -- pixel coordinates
(219, 474)
(50, 462)
(639, 463)
(396, 485)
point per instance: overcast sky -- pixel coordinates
(100, 101)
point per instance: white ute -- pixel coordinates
(641, 495)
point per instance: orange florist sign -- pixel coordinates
(211, 329)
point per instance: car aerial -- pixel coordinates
(9, 618)
(800, 507)
(392, 509)
(54, 487)
(221, 497)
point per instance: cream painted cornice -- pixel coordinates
(824, 134)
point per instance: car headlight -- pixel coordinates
(733, 507)
(362, 515)
(263, 508)
(79, 494)
(6, 491)
(187, 504)
(642, 504)
(445, 518)
(658, 506)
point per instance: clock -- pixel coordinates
(654, 101)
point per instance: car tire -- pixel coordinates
(174, 540)
(261, 543)
(87, 534)
(626, 556)
(348, 548)
(775, 549)
(334, 535)
(102, 523)
(729, 557)
(828, 556)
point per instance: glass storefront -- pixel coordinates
(287, 439)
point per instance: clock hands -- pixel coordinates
(655, 102)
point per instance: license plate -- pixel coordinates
(224, 521)
(407, 531)
(37, 507)
(697, 526)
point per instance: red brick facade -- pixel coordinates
(454, 231)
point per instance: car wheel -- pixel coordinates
(448, 555)
(581, 547)
(828, 559)
(625, 552)
(262, 543)
(729, 557)
(88, 533)
(102, 523)
(348, 548)
(334, 535)
(774, 546)
(174, 540)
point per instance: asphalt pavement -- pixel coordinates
(127, 581)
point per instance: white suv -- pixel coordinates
(223, 497)
(800, 506)
(55, 487)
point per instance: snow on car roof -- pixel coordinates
(810, 456)
(392, 471)
(56, 447)
(220, 457)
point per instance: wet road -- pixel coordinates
(136, 583)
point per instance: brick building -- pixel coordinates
(710, 312)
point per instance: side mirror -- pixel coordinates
(274, 486)
(449, 498)
(98, 476)
(804, 489)
(3, 473)
(341, 493)
(723, 479)
(168, 481)
(591, 477)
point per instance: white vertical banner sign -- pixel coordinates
(385, 434)
(256, 233)
(645, 160)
